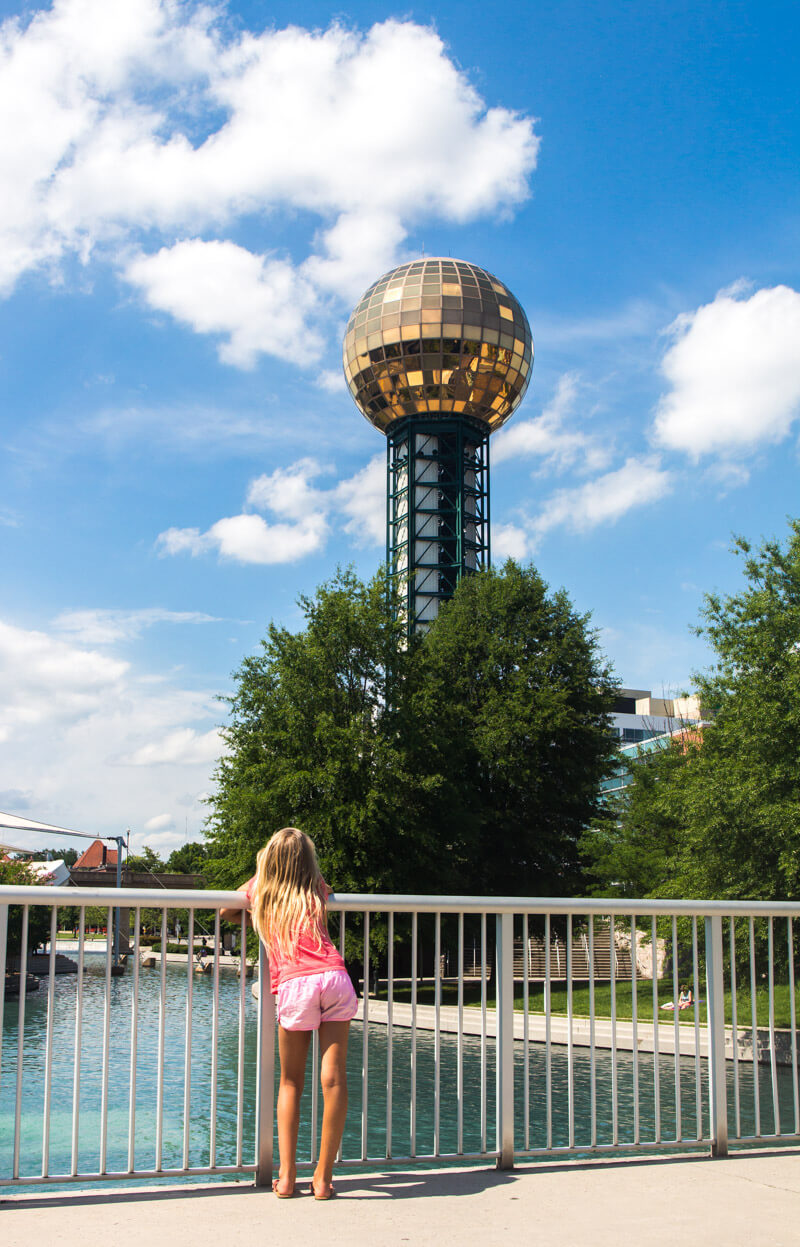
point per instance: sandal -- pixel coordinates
(321, 1198)
(282, 1194)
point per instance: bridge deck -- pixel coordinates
(746, 1200)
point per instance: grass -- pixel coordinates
(602, 1001)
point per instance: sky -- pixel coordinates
(193, 197)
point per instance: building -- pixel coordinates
(437, 356)
(638, 716)
(645, 724)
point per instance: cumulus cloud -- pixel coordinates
(734, 373)
(547, 437)
(509, 541)
(154, 123)
(45, 679)
(304, 515)
(362, 500)
(90, 742)
(258, 305)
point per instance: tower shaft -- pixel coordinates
(437, 511)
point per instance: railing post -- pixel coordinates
(265, 1072)
(715, 1008)
(3, 947)
(504, 1014)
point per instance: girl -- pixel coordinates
(287, 898)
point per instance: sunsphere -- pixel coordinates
(437, 355)
(438, 336)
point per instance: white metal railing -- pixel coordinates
(169, 1078)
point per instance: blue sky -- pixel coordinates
(193, 197)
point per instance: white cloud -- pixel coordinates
(107, 627)
(249, 539)
(159, 822)
(182, 541)
(183, 747)
(362, 499)
(92, 743)
(288, 491)
(305, 514)
(161, 842)
(734, 372)
(606, 499)
(46, 680)
(155, 120)
(545, 436)
(509, 541)
(331, 380)
(261, 306)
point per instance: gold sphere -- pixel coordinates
(438, 337)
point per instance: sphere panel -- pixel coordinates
(438, 337)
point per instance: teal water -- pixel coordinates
(146, 1088)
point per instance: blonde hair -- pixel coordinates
(289, 894)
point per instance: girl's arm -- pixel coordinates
(234, 915)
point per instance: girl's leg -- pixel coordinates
(293, 1049)
(333, 1038)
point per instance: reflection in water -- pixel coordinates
(201, 1073)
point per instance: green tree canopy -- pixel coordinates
(314, 739)
(189, 859)
(68, 856)
(147, 860)
(17, 873)
(466, 760)
(516, 699)
(719, 814)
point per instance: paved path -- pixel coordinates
(581, 1031)
(744, 1201)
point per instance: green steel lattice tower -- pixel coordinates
(437, 355)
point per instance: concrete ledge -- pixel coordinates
(581, 1035)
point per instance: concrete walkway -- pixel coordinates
(747, 1200)
(581, 1031)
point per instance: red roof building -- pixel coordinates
(97, 857)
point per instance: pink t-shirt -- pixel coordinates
(306, 956)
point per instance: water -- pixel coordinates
(227, 1078)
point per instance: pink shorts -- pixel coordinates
(305, 1002)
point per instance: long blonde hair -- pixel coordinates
(289, 894)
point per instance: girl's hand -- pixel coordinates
(235, 915)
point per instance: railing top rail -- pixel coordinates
(603, 906)
(396, 903)
(125, 898)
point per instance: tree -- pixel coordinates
(639, 849)
(16, 873)
(467, 760)
(68, 856)
(319, 736)
(189, 859)
(146, 861)
(516, 698)
(720, 815)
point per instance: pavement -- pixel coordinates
(745, 1200)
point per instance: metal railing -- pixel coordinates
(164, 1074)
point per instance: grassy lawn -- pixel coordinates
(602, 1001)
